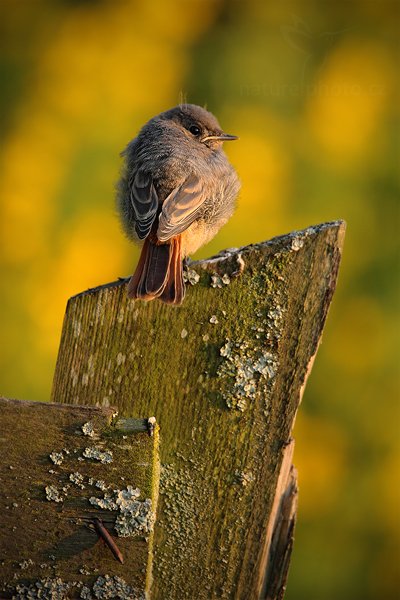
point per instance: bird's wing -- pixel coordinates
(181, 208)
(144, 201)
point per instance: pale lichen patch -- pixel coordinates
(243, 367)
(105, 503)
(218, 282)
(107, 587)
(298, 238)
(191, 276)
(53, 494)
(47, 589)
(103, 456)
(25, 564)
(297, 243)
(101, 484)
(56, 457)
(226, 350)
(88, 429)
(135, 517)
(77, 479)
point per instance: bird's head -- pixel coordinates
(198, 125)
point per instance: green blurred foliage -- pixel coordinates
(310, 87)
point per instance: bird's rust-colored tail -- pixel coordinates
(159, 273)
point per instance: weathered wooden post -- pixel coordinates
(67, 473)
(223, 375)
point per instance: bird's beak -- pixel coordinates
(223, 137)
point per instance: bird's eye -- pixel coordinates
(195, 130)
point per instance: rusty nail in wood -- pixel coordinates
(151, 423)
(103, 533)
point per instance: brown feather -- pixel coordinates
(174, 291)
(159, 273)
(158, 268)
(134, 282)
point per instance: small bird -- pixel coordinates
(177, 189)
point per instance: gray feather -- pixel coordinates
(144, 200)
(180, 208)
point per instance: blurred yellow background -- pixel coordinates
(310, 88)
